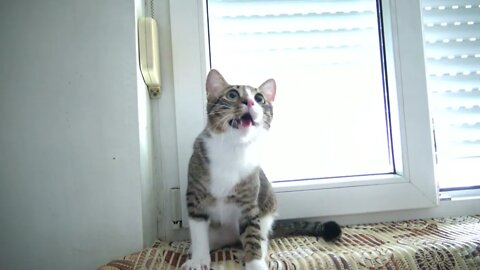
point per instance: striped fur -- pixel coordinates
(226, 185)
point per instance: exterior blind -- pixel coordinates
(331, 32)
(452, 48)
(330, 116)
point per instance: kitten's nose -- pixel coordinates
(249, 103)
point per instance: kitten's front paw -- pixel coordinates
(256, 265)
(197, 264)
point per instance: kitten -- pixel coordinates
(229, 198)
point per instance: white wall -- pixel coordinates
(164, 125)
(164, 129)
(76, 187)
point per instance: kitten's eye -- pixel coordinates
(232, 95)
(259, 98)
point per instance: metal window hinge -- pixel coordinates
(176, 208)
(434, 141)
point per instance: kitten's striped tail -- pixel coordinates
(329, 231)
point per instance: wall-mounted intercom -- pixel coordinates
(149, 54)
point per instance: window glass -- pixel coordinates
(452, 51)
(330, 113)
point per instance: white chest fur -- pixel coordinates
(224, 213)
(230, 162)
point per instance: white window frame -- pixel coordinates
(414, 184)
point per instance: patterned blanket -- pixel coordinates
(444, 243)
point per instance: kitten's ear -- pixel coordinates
(269, 88)
(215, 83)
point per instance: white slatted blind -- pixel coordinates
(452, 49)
(325, 56)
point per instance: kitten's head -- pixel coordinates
(238, 108)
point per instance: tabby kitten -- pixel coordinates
(229, 198)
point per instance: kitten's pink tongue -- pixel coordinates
(247, 120)
(246, 123)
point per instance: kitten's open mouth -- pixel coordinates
(245, 121)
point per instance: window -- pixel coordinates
(452, 48)
(327, 61)
(410, 184)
